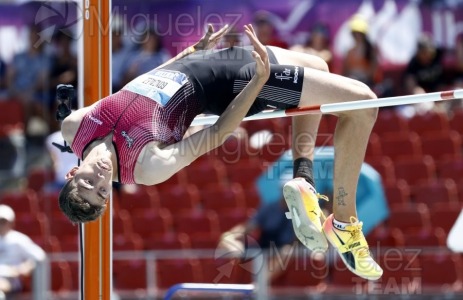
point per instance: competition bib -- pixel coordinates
(159, 85)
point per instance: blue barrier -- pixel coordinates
(246, 289)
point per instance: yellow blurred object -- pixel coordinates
(358, 24)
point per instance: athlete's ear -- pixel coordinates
(71, 173)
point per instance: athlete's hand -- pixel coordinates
(211, 39)
(260, 54)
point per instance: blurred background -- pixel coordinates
(228, 202)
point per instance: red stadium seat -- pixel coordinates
(139, 199)
(410, 217)
(445, 215)
(429, 122)
(397, 193)
(252, 196)
(385, 167)
(60, 276)
(206, 172)
(342, 278)
(61, 227)
(11, 116)
(452, 169)
(122, 223)
(170, 272)
(390, 121)
(22, 202)
(229, 219)
(325, 133)
(300, 272)
(275, 147)
(123, 243)
(69, 244)
(180, 197)
(441, 270)
(373, 147)
(152, 222)
(221, 198)
(401, 145)
(442, 145)
(48, 203)
(272, 125)
(233, 150)
(74, 271)
(129, 275)
(35, 226)
(400, 271)
(179, 178)
(415, 170)
(456, 122)
(197, 222)
(205, 240)
(226, 270)
(49, 245)
(245, 172)
(425, 238)
(168, 241)
(436, 191)
(37, 178)
(384, 237)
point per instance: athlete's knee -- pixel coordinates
(365, 116)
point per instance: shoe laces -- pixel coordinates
(322, 197)
(355, 229)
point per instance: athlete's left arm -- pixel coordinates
(208, 41)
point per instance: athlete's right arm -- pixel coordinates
(167, 161)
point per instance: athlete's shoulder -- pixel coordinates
(71, 124)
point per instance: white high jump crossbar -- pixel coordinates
(343, 106)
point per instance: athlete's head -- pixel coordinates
(83, 197)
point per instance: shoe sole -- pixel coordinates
(306, 231)
(347, 265)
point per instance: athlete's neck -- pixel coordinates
(102, 148)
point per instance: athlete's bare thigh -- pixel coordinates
(319, 85)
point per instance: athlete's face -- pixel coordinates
(93, 178)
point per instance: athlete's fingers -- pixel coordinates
(261, 49)
(210, 30)
(219, 34)
(252, 37)
(262, 67)
(251, 28)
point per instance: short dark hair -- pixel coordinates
(76, 208)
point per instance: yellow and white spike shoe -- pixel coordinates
(305, 213)
(353, 248)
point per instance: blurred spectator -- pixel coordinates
(458, 81)
(231, 39)
(18, 253)
(150, 54)
(121, 54)
(424, 71)
(459, 61)
(2, 79)
(62, 162)
(63, 68)
(424, 74)
(361, 61)
(317, 44)
(276, 232)
(27, 79)
(266, 31)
